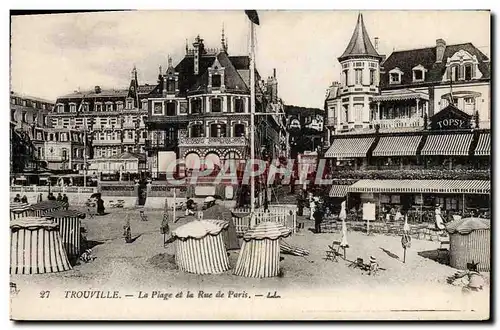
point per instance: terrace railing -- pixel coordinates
(287, 216)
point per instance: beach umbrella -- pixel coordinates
(43, 207)
(343, 212)
(343, 242)
(406, 238)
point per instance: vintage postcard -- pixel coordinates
(250, 165)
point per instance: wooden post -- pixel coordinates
(404, 256)
(463, 204)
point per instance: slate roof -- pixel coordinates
(360, 43)
(406, 60)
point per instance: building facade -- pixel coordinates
(113, 120)
(421, 139)
(200, 112)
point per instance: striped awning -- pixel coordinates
(483, 145)
(339, 190)
(399, 96)
(421, 186)
(349, 148)
(397, 146)
(447, 145)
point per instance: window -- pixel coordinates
(345, 77)
(72, 107)
(171, 134)
(98, 107)
(144, 134)
(157, 108)
(64, 153)
(346, 113)
(130, 104)
(469, 100)
(468, 71)
(13, 100)
(196, 106)
(418, 75)
(145, 105)
(197, 130)
(113, 121)
(395, 78)
(171, 109)
(130, 135)
(216, 105)
(372, 77)
(25, 117)
(216, 80)
(170, 85)
(214, 130)
(358, 76)
(358, 112)
(453, 72)
(239, 130)
(119, 105)
(239, 106)
(24, 103)
(109, 106)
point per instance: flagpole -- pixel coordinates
(85, 157)
(252, 121)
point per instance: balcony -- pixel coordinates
(399, 122)
(55, 158)
(106, 142)
(167, 119)
(165, 144)
(212, 141)
(129, 141)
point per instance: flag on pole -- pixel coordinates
(253, 16)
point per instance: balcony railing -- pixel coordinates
(212, 141)
(129, 141)
(399, 122)
(160, 144)
(128, 125)
(106, 142)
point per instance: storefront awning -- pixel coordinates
(397, 146)
(447, 145)
(349, 148)
(421, 186)
(483, 145)
(339, 190)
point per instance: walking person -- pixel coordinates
(39, 198)
(65, 201)
(318, 218)
(439, 219)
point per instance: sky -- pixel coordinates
(56, 54)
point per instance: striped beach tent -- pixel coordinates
(69, 222)
(20, 210)
(36, 247)
(260, 252)
(39, 209)
(470, 241)
(199, 247)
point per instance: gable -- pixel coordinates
(450, 118)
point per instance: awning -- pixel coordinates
(349, 148)
(397, 146)
(339, 190)
(421, 186)
(483, 145)
(399, 96)
(447, 145)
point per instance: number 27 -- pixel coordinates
(44, 294)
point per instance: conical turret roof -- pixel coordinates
(360, 44)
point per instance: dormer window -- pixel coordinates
(216, 81)
(170, 85)
(130, 104)
(462, 66)
(418, 73)
(468, 71)
(72, 107)
(395, 76)
(60, 108)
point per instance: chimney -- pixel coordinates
(440, 47)
(274, 73)
(199, 49)
(376, 44)
(97, 89)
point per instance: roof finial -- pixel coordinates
(187, 49)
(159, 69)
(169, 61)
